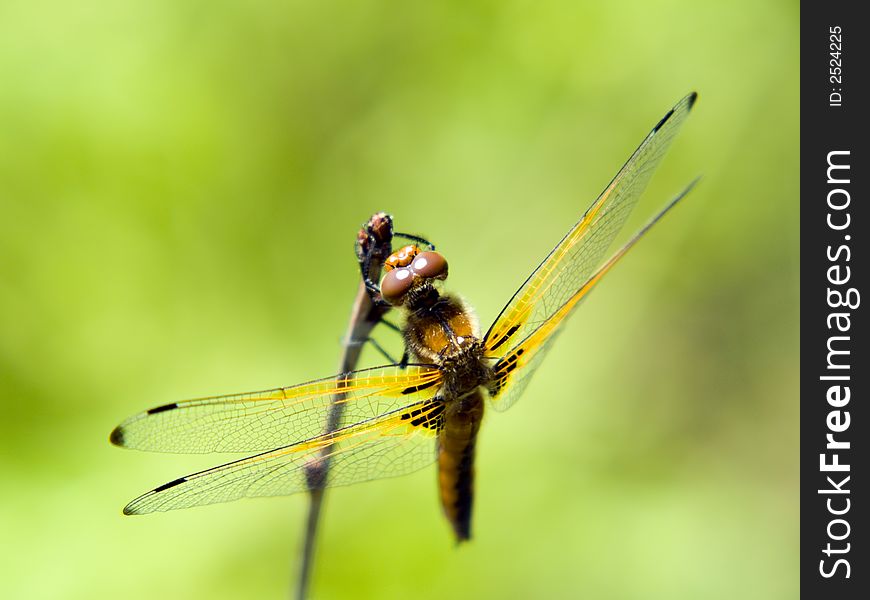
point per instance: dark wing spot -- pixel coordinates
(171, 484)
(160, 409)
(430, 415)
(501, 380)
(692, 97)
(506, 336)
(434, 419)
(507, 364)
(503, 368)
(417, 388)
(664, 119)
(117, 436)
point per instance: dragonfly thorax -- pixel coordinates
(443, 330)
(465, 372)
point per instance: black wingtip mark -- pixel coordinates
(117, 436)
(690, 102)
(171, 484)
(663, 121)
(160, 409)
(133, 507)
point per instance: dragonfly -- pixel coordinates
(426, 408)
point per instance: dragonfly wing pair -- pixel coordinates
(390, 416)
(526, 327)
(388, 425)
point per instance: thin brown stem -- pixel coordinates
(365, 315)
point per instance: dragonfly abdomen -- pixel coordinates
(456, 445)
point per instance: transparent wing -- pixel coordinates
(392, 444)
(260, 421)
(515, 369)
(575, 258)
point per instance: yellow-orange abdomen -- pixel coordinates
(456, 444)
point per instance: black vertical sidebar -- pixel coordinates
(835, 364)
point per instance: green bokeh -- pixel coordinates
(181, 183)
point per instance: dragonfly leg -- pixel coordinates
(416, 239)
(392, 326)
(380, 349)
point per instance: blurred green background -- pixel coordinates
(181, 184)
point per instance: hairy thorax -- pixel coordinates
(442, 330)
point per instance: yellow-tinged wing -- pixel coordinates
(514, 370)
(260, 421)
(394, 443)
(575, 258)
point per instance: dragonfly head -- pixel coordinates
(409, 269)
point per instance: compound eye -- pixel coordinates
(430, 265)
(396, 284)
